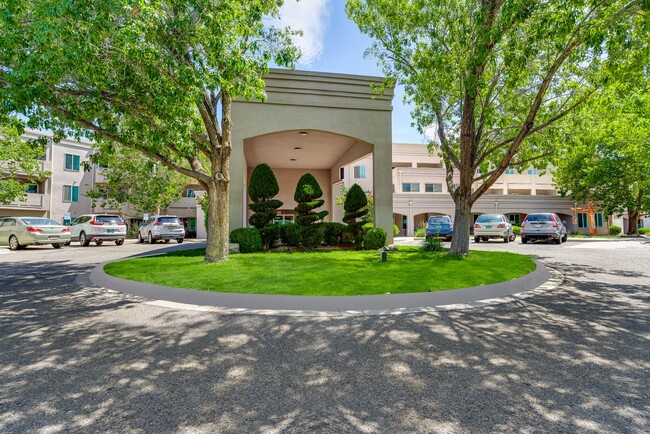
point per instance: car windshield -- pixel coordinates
(489, 219)
(108, 219)
(539, 218)
(39, 222)
(169, 220)
(438, 220)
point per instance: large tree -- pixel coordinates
(19, 159)
(605, 152)
(156, 76)
(489, 76)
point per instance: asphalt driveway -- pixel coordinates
(576, 359)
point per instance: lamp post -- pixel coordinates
(496, 207)
(409, 221)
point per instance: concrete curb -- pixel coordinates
(535, 283)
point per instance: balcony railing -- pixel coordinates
(31, 200)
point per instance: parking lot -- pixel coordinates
(574, 359)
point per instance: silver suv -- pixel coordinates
(98, 228)
(493, 226)
(543, 226)
(162, 227)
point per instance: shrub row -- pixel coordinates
(615, 230)
(643, 231)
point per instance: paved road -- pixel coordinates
(573, 360)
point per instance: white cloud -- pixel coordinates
(312, 17)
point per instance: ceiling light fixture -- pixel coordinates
(297, 148)
(293, 159)
(303, 133)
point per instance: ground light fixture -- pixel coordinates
(384, 256)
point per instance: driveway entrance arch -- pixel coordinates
(335, 118)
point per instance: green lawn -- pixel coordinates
(341, 272)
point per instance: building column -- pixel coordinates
(382, 160)
(410, 224)
(238, 175)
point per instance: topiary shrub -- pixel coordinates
(262, 188)
(395, 230)
(516, 230)
(354, 208)
(615, 230)
(290, 234)
(249, 239)
(270, 235)
(643, 231)
(374, 239)
(332, 233)
(308, 194)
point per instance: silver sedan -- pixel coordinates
(20, 232)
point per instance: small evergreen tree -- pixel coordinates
(355, 208)
(307, 195)
(262, 188)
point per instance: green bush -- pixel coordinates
(374, 239)
(249, 239)
(432, 244)
(262, 188)
(132, 231)
(615, 230)
(420, 232)
(332, 233)
(516, 229)
(307, 195)
(290, 234)
(395, 230)
(368, 226)
(355, 208)
(312, 236)
(270, 234)
(643, 231)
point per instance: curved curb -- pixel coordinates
(541, 280)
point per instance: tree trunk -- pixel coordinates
(216, 247)
(633, 228)
(462, 221)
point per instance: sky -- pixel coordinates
(331, 42)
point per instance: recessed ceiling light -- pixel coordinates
(293, 159)
(303, 133)
(297, 148)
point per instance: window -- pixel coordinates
(583, 220)
(532, 171)
(433, 188)
(360, 172)
(515, 219)
(71, 162)
(32, 188)
(342, 173)
(404, 222)
(599, 219)
(191, 193)
(510, 171)
(70, 193)
(410, 187)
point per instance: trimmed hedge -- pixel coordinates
(643, 231)
(516, 229)
(249, 239)
(375, 239)
(290, 234)
(615, 230)
(332, 233)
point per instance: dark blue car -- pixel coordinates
(441, 226)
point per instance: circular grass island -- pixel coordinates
(325, 273)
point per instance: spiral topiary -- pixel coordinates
(262, 188)
(354, 207)
(307, 195)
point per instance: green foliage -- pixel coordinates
(420, 232)
(432, 244)
(332, 233)
(370, 207)
(134, 179)
(312, 236)
(270, 235)
(262, 188)
(492, 78)
(643, 231)
(290, 234)
(158, 77)
(368, 226)
(132, 231)
(516, 230)
(249, 239)
(615, 230)
(395, 230)
(308, 193)
(374, 239)
(355, 208)
(18, 157)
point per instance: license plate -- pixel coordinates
(171, 227)
(437, 226)
(488, 227)
(537, 226)
(53, 238)
(110, 231)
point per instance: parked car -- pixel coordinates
(493, 226)
(98, 228)
(440, 226)
(20, 232)
(162, 227)
(543, 226)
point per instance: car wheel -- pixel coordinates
(513, 237)
(119, 242)
(565, 238)
(67, 243)
(167, 241)
(179, 241)
(558, 240)
(506, 239)
(99, 243)
(84, 240)
(485, 239)
(477, 239)
(13, 243)
(150, 239)
(524, 240)
(140, 239)
(57, 246)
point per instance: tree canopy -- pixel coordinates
(488, 77)
(156, 76)
(605, 152)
